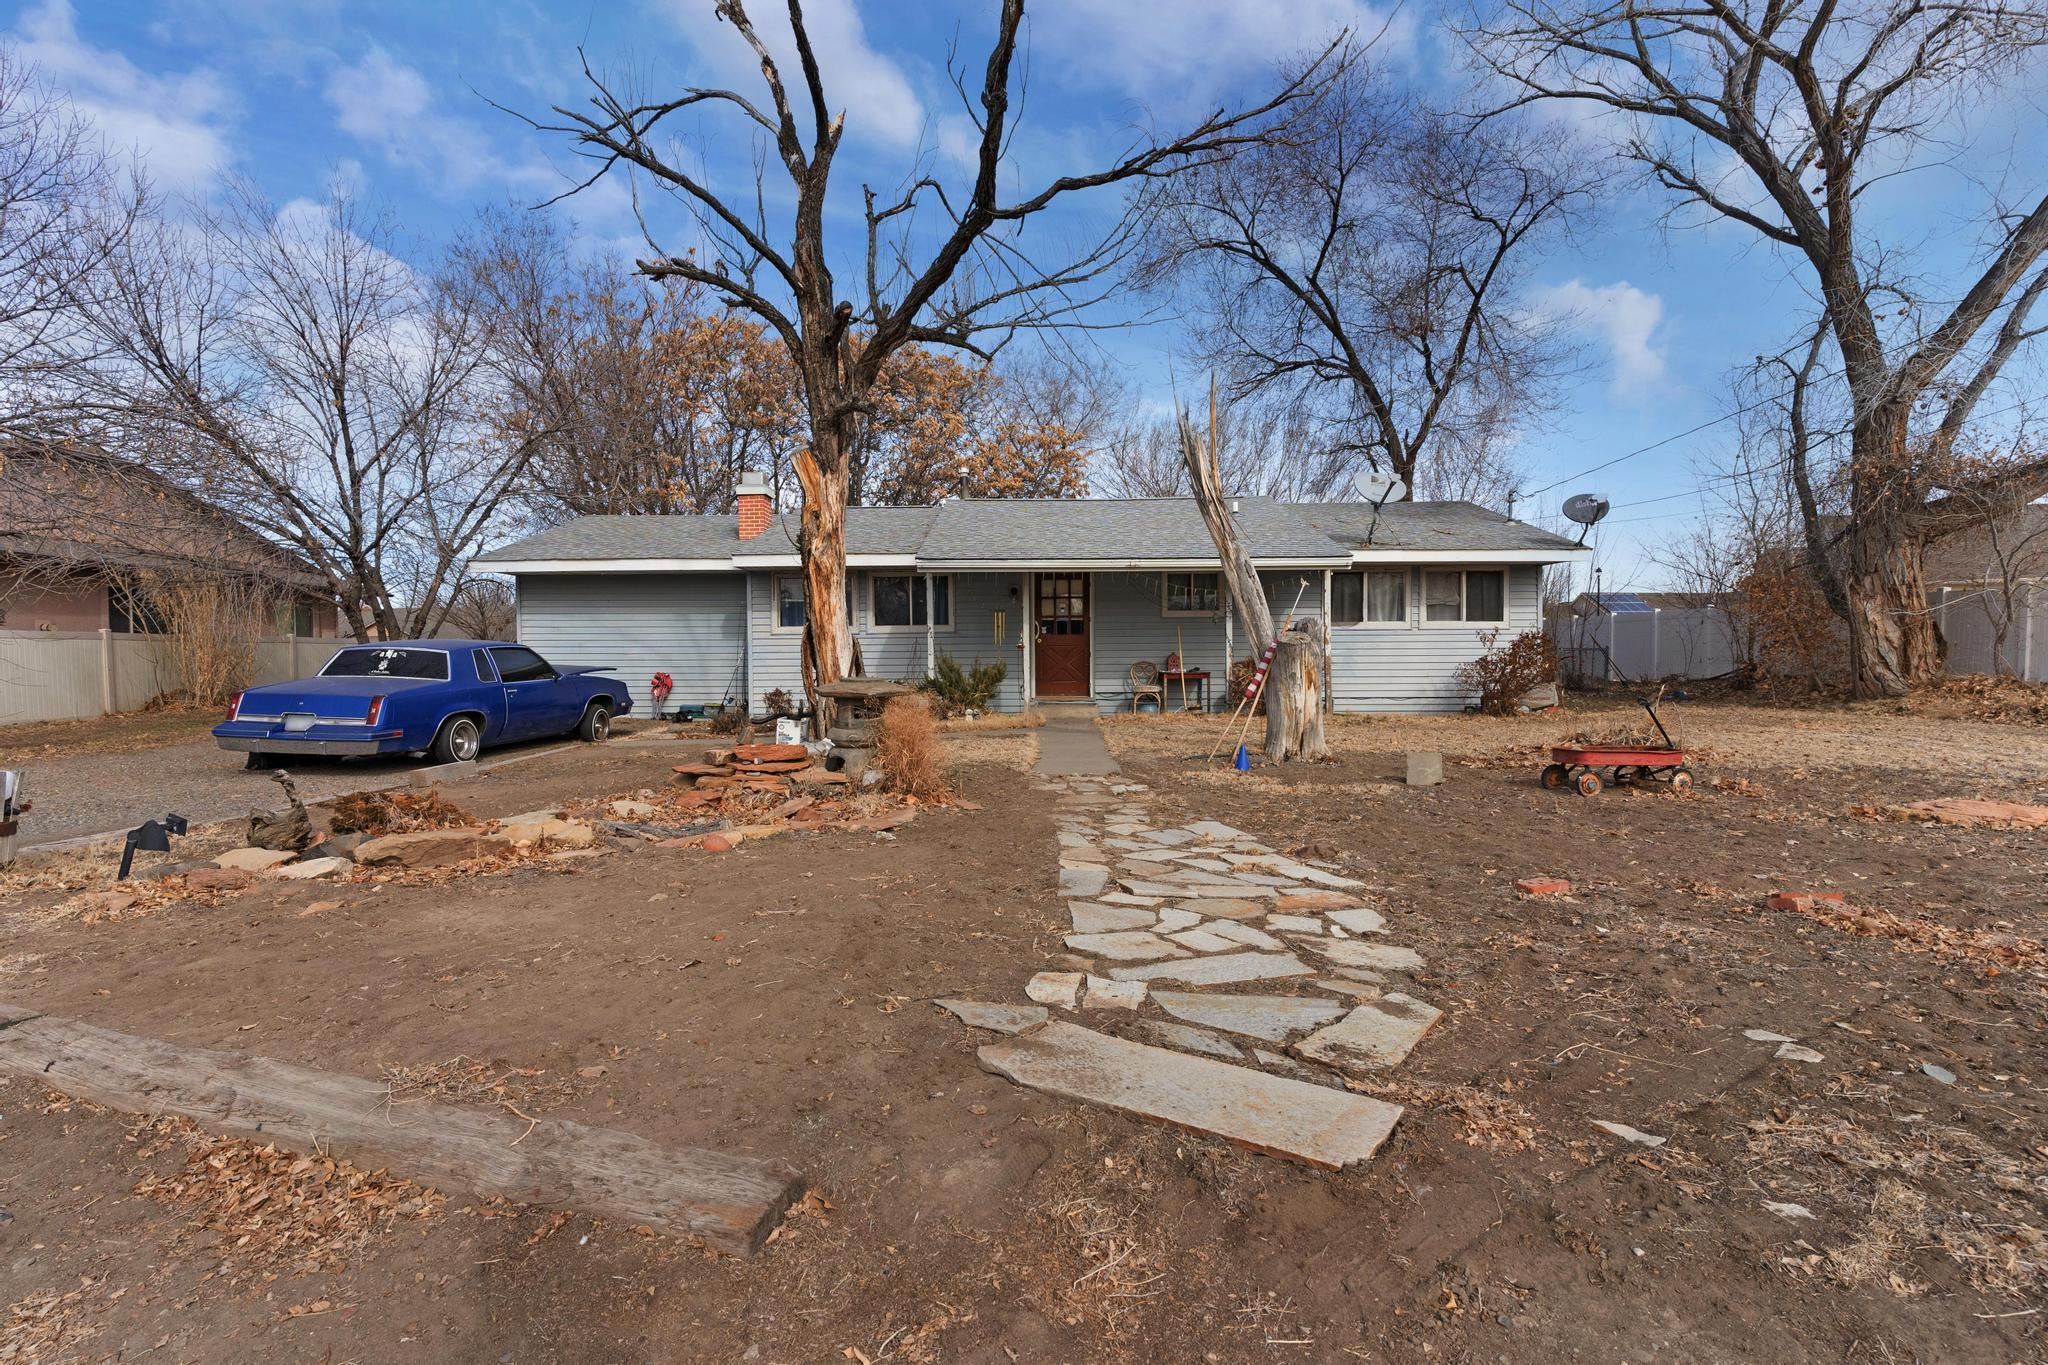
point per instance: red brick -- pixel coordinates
(1803, 900)
(716, 843)
(1543, 886)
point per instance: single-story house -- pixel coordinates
(1066, 593)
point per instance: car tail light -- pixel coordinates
(234, 705)
(376, 708)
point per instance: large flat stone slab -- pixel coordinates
(1224, 907)
(1202, 941)
(1359, 921)
(1275, 1018)
(1213, 829)
(1189, 1039)
(995, 1018)
(1133, 946)
(1379, 957)
(1221, 970)
(1315, 900)
(1322, 1127)
(1083, 881)
(1090, 918)
(1245, 934)
(1372, 1037)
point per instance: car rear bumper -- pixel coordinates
(319, 748)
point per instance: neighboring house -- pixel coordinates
(82, 534)
(1638, 636)
(1989, 577)
(1066, 593)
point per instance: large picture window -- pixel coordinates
(1193, 594)
(1465, 595)
(789, 601)
(899, 601)
(1374, 596)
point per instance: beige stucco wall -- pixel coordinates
(31, 606)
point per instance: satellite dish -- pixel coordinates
(1377, 487)
(1585, 508)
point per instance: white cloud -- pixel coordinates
(1191, 55)
(867, 86)
(1624, 318)
(173, 123)
(391, 106)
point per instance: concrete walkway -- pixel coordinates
(1070, 743)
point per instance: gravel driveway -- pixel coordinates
(98, 793)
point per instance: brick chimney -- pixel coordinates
(756, 506)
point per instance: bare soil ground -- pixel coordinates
(771, 1001)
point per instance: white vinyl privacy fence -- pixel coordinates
(1970, 618)
(68, 675)
(1679, 642)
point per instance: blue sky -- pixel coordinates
(393, 96)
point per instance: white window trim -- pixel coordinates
(1209, 613)
(1507, 587)
(952, 605)
(1409, 587)
(775, 626)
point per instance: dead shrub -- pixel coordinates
(1503, 676)
(907, 749)
(375, 813)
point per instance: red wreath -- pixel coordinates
(662, 685)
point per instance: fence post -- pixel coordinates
(2027, 637)
(106, 671)
(1656, 641)
(291, 656)
(1941, 611)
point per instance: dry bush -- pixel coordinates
(1503, 676)
(908, 750)
(1794, 635)
(210, 629)
(375, 813)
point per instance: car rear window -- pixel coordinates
(387, 662)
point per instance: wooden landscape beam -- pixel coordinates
(732, 1202)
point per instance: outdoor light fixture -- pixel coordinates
(154, 835)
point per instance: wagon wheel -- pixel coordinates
(1555, 776)
(1681, 779)
(1624, 777)
(1589, 783)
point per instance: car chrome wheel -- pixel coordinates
(463, 740)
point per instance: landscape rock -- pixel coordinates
(995, 1018)
(336, 846)
(1244, 934)
(1228, 907)
(1056, 988)
(1797, 901)
(1373, 1036)
(1191, 1039)
(1275, 1018)
(219, 878)
(1217, 971)
(1100, 994)
(1172, 919)
(1764, 1035)
(633, 810)
(1359, 921)
(1297, 924)
(177, 869)
(1960, 810)
(560, 833)
(428, 847)
(1083, 882)
(1383, 957)
(107, 902)
(1130, 946)
(1793, 1052)
(1315, 900)
(1202, 941)
(1327, 1128)
(253, 859)
(310, 869)
(1636, 1135)
(1091, 918)
(1543, 886)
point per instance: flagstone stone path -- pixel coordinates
(1165, 912)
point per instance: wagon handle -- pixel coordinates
(1650, 704)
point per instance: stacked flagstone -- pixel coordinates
(1166, 914)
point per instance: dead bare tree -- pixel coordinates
(1293, 692)
(292, 370)
(1371, 267)
(970, 284)
(1268, 446)
(1780, 118)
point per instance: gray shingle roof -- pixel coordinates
(1053, 530)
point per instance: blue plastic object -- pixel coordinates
(1244, 760)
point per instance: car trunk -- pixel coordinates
(322, 698)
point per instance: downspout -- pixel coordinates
(1329, 655)
(931, 627)
(747, 642)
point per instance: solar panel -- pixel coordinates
(1621, 603)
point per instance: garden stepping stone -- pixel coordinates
(1360, 921)
(1133, 887)
(1172, 919)
(1170, 837)
(1212, 829)
(1190, 1039)
(1202, 941)
(1083, 882)
(1372, 1037)
(1101, 994)
(996, 1018)
(1327, 1128)
(1120, 898)
(1055, 988)
(1227, 907)
(1296, 924)
(1384, 957)
(1217, 971)
(1275, 1018)
(1205, 864)
(1090, 918)
(1124, 947)
(1316, 900)
(1244, 934)
(1357, 989)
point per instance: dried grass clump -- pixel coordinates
(908, 750)
(375, 813)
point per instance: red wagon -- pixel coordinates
(1579, 765)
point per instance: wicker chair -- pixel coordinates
(1145, 682)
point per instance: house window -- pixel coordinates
(789, 602)
(1378, 596)
(1193, 594)
(295, 618)
(1464, 595)
(899, 601)
(130, 613)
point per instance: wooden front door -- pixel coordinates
(1062, 650)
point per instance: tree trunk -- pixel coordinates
(1894, 644)
(1294, 693)
(828, 634)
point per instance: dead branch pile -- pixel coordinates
(907, 749)
(376, 813)
(1989, 948)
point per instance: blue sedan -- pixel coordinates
(447, 698)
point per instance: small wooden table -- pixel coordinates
(1198, 676)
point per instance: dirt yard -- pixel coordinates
(772, 1001)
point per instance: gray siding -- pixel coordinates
(1410, 668)
(686, 625)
